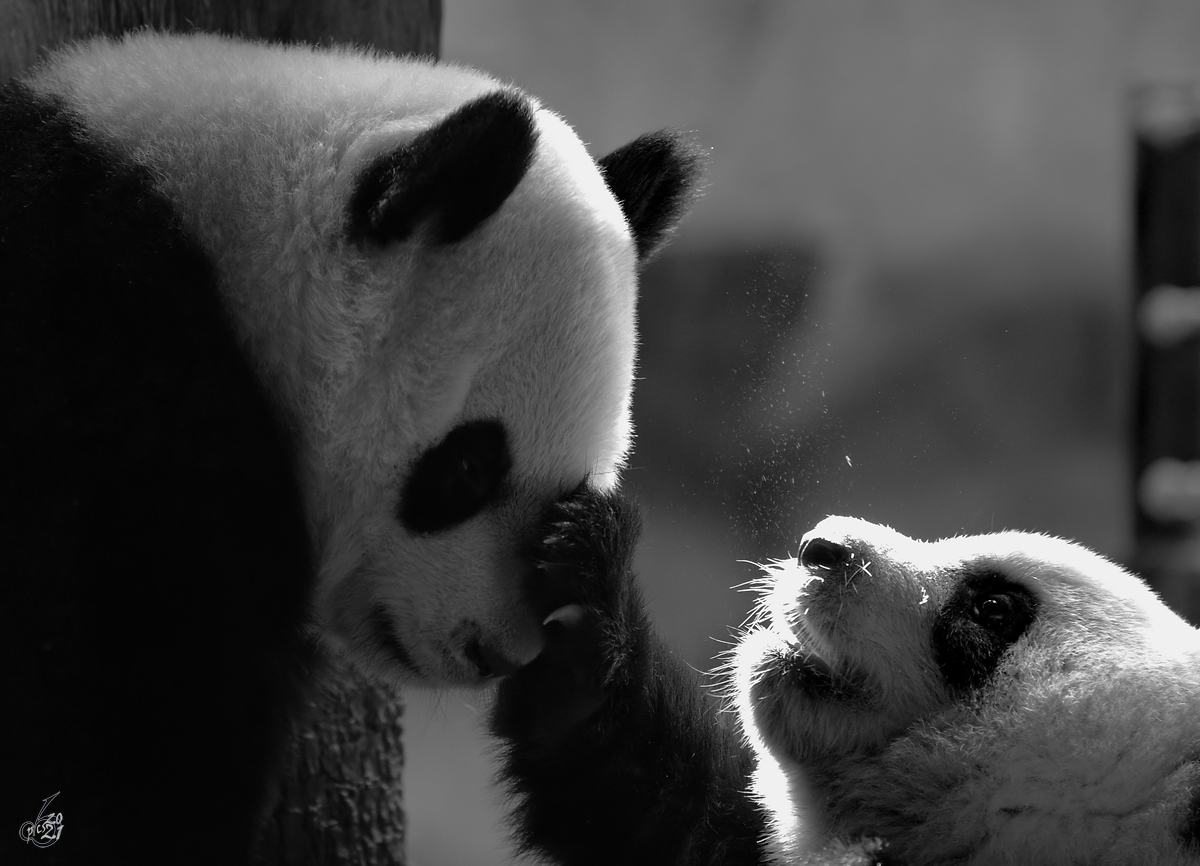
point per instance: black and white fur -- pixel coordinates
(1006, 698)
(297, 346)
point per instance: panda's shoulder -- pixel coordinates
(77, 215)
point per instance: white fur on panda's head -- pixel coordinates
(999, 698)
(437, 284)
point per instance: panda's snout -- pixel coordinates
(489, 662)
(824, 554)
(831, 567)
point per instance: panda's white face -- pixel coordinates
(974, 697)
(435, 282)
(522, 359)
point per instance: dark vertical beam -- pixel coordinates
(1166, 437)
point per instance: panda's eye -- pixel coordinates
(452, 481)
(992, 609)
(997, 612)
(985, 615)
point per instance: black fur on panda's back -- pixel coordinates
(154, 560)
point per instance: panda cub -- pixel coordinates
(1004, 698)
(296, 348)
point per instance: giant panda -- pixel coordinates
(1004, 698)
(298, 346)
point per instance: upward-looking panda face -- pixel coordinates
(974, 697)
(437, 284)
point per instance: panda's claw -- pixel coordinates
(569, 616)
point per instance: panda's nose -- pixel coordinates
(823, 553)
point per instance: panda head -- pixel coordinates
(984, 696)
(437, 285)
(522, 354)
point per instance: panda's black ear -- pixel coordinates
(655, 177)
(451, 177)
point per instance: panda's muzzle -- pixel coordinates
(813, 663)
(386, 636)
(489, 663)
(824, 554)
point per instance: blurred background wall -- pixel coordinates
(904, 296)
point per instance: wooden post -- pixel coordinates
(29, 28)
(339, 795)
(339, 799)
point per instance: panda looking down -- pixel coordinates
(435, 286)
(1004, 698)
(290, 338)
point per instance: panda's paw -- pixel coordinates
(593, 612)
(585, 553)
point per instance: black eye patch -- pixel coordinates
(975, 627)
(454, 480)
